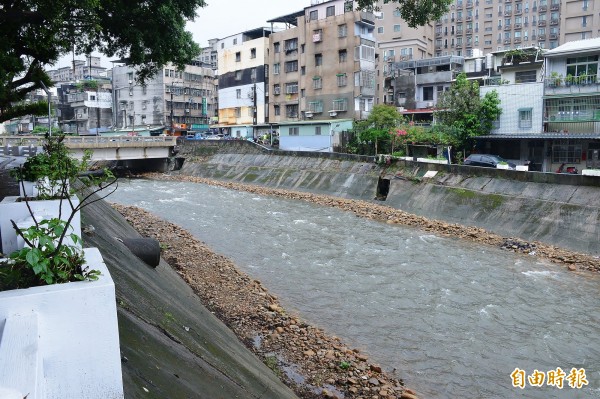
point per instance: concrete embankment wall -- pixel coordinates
(561, 210)
(171, 345)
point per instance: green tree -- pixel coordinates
(465, 113)
(36, 33)
(415, 12)
(382, 119)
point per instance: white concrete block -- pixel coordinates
(10, 209)
(78, 337)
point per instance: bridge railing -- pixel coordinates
(94, 141)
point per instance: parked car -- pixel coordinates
(487, 161)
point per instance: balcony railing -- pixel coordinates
(543, 8)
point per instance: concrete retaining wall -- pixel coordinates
(558, 209)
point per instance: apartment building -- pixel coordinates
(79, 70)
(180, 100)
(321, 73)
(397, 42)
(243, 81)
(492, 25)
(572, 103)
(85, 108)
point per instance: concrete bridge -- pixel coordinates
(104, 148)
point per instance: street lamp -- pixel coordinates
(49, 109)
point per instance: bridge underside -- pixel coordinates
(124, 153)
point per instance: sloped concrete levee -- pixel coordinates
(171, 345)
(342, 175)
(562, 210)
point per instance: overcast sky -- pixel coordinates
(222, 18)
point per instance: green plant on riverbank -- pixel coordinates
(272, 363)
(344, 365)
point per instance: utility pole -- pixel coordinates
(172, 126)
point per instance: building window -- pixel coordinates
(291, 88)
(238, 56)
(276, 89)
(315, 106)
(525, 118)
(526, 76)
(238, 112)
(253, 53)
(318, 59)
(584, 67)
(314, 15)
(330, 11)
(276, 110)
(317, 82)
(294, 131)
(291, 110)
(397, 28)
(428, 93)
(380, 29)
(291, 66)
(317, 130)
(276, 47)
(342, 30)
(238, 75)
(291, 45)
(566, 151)
(303, 70)
(238, 93)
(234, 41)
(276, 68)
(340, 104)
(397, 13)
(342, 55)
(342, 79)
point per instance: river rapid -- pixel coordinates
(453, 318)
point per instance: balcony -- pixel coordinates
(469, 31)
(517, 26)
(554, 7)
(542, 37)
(469, 4)
(459, 32)
(458, 19)
(541, 23)
(518, 12)
(367, 17)
(507, 27)
(469, 18)
(438, 22)
(508, 13)
(438, 34)
(543, 8)
(554, 22)
(517, 40)
(553, 36)
(506, 41)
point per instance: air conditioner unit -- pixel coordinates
(167, 90)
(130, 81)
(308, 114)
(430, 104)
(332, 113)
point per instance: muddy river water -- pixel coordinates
(454, 318)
